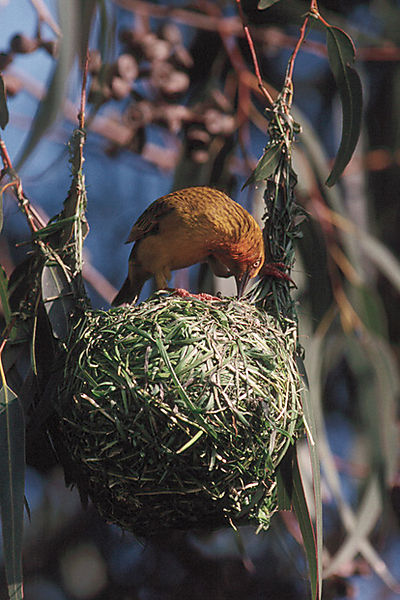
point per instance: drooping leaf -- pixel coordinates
(263, 4)
(284, 480)
(266, 165)
(378, 384)
(4, 116)
(1, 210)
(4, 296)
(87, 13)
(107, 29)
(307, 531)
(311, 428)
(12, 486)
(341, 54)
(51, 104)
(58, 299)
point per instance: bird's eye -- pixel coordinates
(256, 264)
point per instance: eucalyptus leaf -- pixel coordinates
(263, 4)
(12, 486)
(307, 531)
(284, 480)
(1, 211)
(51, 104)
(341, 54)
(4, 116)
(4, 296)
(267, 164)
(87, 12)
(58, 298)
(311, 426)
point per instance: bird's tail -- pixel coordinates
(125, 295)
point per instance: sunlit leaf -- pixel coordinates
(4, 116)
(263, 4)
(58, 299)
(312, 437)
(266, 165)
(341, 56)
(12, 485)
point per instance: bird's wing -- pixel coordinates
(149, 221)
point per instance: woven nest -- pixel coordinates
(177, 412)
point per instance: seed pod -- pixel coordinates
(94, 63)
(171, 33)
(13, 84)
(21, 44)
(51, 47)
(6, 59)
(155, 49)
(99, 93)
(127, 67)
(120, 88)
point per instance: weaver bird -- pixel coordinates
(189, 226)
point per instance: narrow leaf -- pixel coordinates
(58, 298)
(284, 480)
(303, 516)
(49, 107)
(4, 116)
(341, 54)
(266, 165)
(87, 13)
(12, 484)
(311, 427)
(4, 296)
(1, 210)
(263, 4)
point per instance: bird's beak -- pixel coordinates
(241, 283)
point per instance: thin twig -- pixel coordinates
(34, 220)
(254, 55)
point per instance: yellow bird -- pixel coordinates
(189, 226)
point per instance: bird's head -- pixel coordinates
(242, 259)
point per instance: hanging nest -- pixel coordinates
(177, 412)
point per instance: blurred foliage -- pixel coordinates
(175, 84)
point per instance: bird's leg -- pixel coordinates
(161, 278)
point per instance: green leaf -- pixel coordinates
(316, 474)
(263, 4)
(1, 209)
(284, 480)
(87, 12)
(267, 164)
(12, 484)
(341, 54)
(58, 298)
(307, 531)
(4, 296)
(49, 107)
(4, 116)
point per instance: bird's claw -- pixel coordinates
(202, 296)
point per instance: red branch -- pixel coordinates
(254, 55)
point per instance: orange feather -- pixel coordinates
(189, 226)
